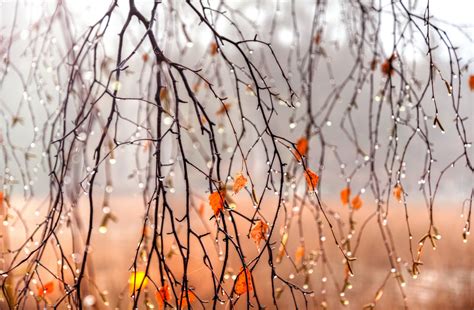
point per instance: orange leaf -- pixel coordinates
(1, 199)
(299, 254)
(397, 192)
(47, 289)
(184, 301)
(164, 95)
(225, 107)
(239, 182)
(301, 148)
(163, 295)
(387, 67)
(216, 200)
(345, 194)
(213, 48)
(259, 231)
(471, 82)
(145, 57)
(243, 283)
(311, 179)
(356, 202)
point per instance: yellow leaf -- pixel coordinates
(136, 280)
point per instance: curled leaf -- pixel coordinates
(239, 183)
(301, 148)
(311, 179)
(216, 200)
(259, 231)
(243, 283)
(345, 194)
(356, 202)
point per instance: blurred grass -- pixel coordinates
(446, 280)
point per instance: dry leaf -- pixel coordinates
(243, 283)
(239, 183)
(317, 37)
(345, 194)
(301, 148)
(387, 67)
(299, 254)
(397, 192)
(259, 231)
(311, 179)
(225, 107)
(46, 289)
(356, 202)
(373, 64)
(184, 301)
(164, 94)
(163, 295)
(471, 82)
(213, 48)
(136, 280)
(216, 200)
